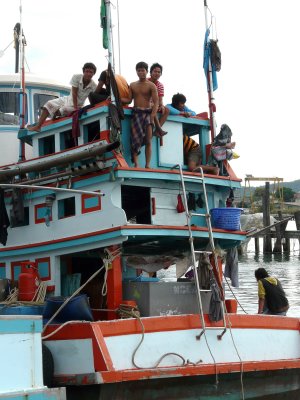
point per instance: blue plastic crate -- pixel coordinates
(227, 218)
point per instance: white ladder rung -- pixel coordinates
(198, 215)
(195, 178)
(193, 251)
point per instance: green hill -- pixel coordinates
(294, 185)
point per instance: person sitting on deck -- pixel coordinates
(222, 149)
(271, 297)
(155, 74)
(103, 93)
(82, 86)
(191, 149)
(142, 91)
(178, 107)
(192, 155)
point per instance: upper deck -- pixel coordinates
(56, 136)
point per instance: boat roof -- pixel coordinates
(33, 80)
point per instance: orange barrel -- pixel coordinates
(29, 281)
(231, 306)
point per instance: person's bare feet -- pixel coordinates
(230, 145)
(34, 128)
(147, 166)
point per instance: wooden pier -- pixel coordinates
(281, 236)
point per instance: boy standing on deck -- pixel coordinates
(142, 91)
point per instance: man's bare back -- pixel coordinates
(142, 93)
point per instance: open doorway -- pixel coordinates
(136, 204)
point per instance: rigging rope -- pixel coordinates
(71, 297)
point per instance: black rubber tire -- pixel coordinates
(48, 366)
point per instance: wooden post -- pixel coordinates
(114, 284)
(286, 242)
(266, 218)
(297, 220)
(287, 245)
(256, 241)
(277, 246)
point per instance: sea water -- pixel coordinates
(285, 267)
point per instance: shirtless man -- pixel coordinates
(142, 91)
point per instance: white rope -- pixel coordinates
(238, 354)
(109, 257)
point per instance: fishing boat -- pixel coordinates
(89, 225)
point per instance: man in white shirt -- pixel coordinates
(82, 86)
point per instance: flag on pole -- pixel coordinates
(104, 26)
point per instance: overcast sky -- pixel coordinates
(258, 84)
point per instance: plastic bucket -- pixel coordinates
(227, 218)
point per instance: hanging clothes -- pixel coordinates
(215, 306)
(180, 207)
(4, 220)
(204, 271)
(191, 201)
(232, 266)
(17, 212)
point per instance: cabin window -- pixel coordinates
(14, 223)
(39, 100)
(2, 271)
(136, 204)
(43, 265)
(46, 145)
(16, 269)
(9, 108)
(91, 132)
(41, 212)
(66, 207)
(90, 203)
(66, 140)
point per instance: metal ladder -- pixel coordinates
(189, 216)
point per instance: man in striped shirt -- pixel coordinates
(155, 74)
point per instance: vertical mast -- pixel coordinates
(22, 85)
(108, 41)
(109, 34)
(211, 99)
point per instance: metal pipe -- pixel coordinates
(55, 161)
(211, 99)
(54, 189)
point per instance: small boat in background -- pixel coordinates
(21, 369)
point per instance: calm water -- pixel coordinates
(286, 267)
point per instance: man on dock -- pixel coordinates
(271, 297)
